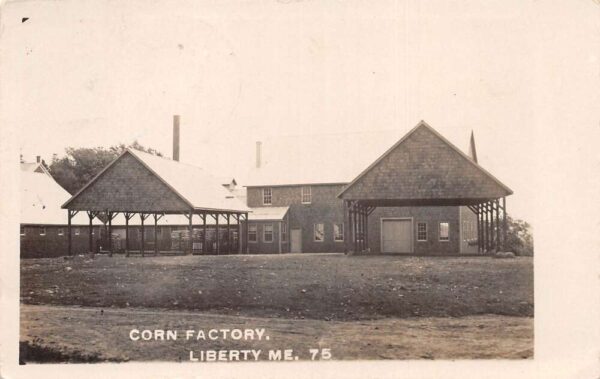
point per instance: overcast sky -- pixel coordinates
(96, 73)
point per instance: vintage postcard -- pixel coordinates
(292, 188)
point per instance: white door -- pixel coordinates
(396, 236)
(296, 241)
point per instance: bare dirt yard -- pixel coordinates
(360, 307)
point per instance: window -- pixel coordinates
(319, 232)
(444, 231)
(61, 232)
(284, 231)
(251, 233)
(267, 196)
(76, 231)
(268, 233)
(421, 231)
(22, 230)
(306, 195)
(42, 231)
(338, 232)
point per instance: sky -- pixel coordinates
(97, 73)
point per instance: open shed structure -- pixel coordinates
(424, 169)
(137, 183)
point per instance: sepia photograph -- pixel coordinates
(273, 181)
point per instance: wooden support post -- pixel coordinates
(491, 227)
(69, 239)
(355, 228)
(155, 234)
(90, 236)
(228, 235)
(240, 233)
(480, 228)
(497, 225)
(362, 229)
(485, 228)
(366, 230)
(247, 232)
(346, 226)
(127, 217)
(505, 225)
(351, 228)
(204, 233)
(488, 244)
(191, 231)
(217, 230)
(142, 218)
(110, 216)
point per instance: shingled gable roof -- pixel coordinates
(195, 187)
(499, 189)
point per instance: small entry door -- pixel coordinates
(396, 236)
(296, 241)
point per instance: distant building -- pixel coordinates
(43, 228)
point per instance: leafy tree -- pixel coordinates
(80, 165)
(518, 237)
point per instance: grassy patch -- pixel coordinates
(329, 287)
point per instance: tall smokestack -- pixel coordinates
(38, 159)
(472, 149)
(258, 154)
(176, 137)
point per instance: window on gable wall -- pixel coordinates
(422, 231)
(306, 195)
(267, 196)
(319, 232)
(338, 232)
(444, 231)
(251, 233)
(284, 228)
(268, 233)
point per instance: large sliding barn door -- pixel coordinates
(396, 236)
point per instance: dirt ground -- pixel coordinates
(294, 286)
(104, 334)
(382, 307)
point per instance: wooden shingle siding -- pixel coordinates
(128, 186)
(424, 166)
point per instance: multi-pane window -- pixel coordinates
(338, 232)
(77, 231)
(61, 231)
(22, 230)
(444, 231)
(268, 233)
(319, 232)
(306, 195)
(284, 231)
(267, 196)
(421, 231)
(251, 233)
(42, 231)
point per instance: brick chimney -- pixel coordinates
(38, 159)
(258, 154)
(176, 137)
